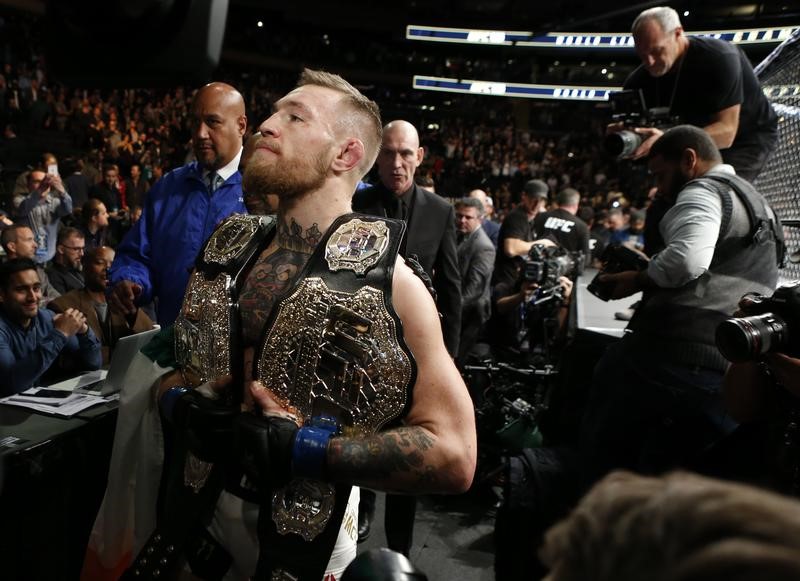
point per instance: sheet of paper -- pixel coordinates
(66, 407)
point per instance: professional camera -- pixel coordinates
(616, 258)
(628, 107)
(544, 265)
(772, 325)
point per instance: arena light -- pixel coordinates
(527, 91)
(578, 40)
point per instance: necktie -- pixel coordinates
(214, 181)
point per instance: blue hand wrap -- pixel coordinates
(170, 399)
(310, 449)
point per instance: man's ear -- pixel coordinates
(689, 161)
(420, 155)
(241, 125)
(351, 154)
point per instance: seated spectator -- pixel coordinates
(18, 242)
(94, 218)
(32, 339)
(41, 209)
(107, 322)
(678, 527)
(65, 270)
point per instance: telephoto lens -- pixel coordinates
(747, 338)
(622, 144)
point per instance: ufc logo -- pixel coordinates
(559, 224)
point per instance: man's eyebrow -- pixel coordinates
(283, 103)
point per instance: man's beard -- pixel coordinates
(677, 182)
(290, 181)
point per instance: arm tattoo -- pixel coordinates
(274, 274)
(381, 456)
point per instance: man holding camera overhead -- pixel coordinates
(705, 82)
(654, 401)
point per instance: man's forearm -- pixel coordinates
(516, 247)
(399, 460)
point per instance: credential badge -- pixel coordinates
(357, 245)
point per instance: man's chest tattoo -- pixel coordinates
(273, 275)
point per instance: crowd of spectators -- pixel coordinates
(93, 153)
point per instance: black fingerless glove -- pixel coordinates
(263, 445)
(205, 424)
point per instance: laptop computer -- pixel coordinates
(124, 352)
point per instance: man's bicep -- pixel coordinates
(440, 402)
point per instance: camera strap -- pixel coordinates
(763, 226)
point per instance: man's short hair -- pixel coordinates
(586, 213)
(90, 209)
(367, 121)
(680, 526)
(676, 140)
(68, 232)
(13, 266)
(470, 203)
(536, 189)
(90, 254)
(568, 197)
(10, 234)
(666, 17)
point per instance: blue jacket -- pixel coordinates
(25, 354)
(159, 251)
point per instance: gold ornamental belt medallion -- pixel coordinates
(339, 353)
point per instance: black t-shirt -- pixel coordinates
(565, 229)
(713, 76)
(515, 225)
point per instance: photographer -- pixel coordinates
(654, 401)
(705, 82)
(542, 290)
(761, 388)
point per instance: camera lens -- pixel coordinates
(746, 338)
(622, 144)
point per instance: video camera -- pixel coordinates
(616, 258)
(772, 325)
(544, 265)
(629, 108)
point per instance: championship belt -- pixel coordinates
(334, 348)
(207, 346)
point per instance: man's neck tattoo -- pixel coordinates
(291, 237)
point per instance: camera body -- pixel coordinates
(544, 265)
(770, 325)
(629, 108)
(616, 258)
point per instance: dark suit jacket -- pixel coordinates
(492, 230)
(431, 237)
(476, 262)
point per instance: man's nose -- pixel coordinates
(268, 127)
(202, 131)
